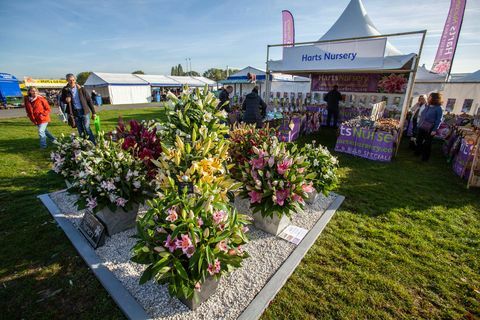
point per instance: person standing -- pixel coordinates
(94, 97)
(79, 104)
(224, 98)
(332, 98)
(254, 107)
(428, 125)
(38, 111)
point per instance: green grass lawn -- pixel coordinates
(405, 243)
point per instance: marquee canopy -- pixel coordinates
(331, 54)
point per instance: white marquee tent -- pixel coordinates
(120, 88)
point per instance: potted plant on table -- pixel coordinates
(324, 165)
(111, 184)
(277, 184)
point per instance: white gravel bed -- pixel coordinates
(234, 292)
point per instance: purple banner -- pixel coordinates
(346, 140)
(463, 160)
(448, 43)
(366, 143)
(288, 28)
(361, 82)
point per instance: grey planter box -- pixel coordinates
(273, 225)
(118, 220)
(312, 197)
(208, 288)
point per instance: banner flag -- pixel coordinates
(448, 42)
(288, 28)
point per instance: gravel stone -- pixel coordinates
(234, 292)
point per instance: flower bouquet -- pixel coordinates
(189, 242)
(111, 184)
(277, 183)
(66, 157)
(243, 138)
(325, 167)
(142, 142)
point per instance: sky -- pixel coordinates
(47, 39)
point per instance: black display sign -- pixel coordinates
(183, 185)
(93, 230)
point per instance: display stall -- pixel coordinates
(461, 146)
(364, 65)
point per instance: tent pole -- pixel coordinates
(408, 96)
(267, 79)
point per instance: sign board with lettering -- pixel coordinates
(352, 55)
(366, 143)
(93, 230)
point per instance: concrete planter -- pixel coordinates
(208, 288)
(273, 225)
(312, 197)
(118, 220)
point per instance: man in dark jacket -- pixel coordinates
(254, 107)
(224, 97)
(79, 103)
(332, 98)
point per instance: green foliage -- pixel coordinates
(218, 74)
(138, 72)
(82, 77)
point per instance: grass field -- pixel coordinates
(405, 243)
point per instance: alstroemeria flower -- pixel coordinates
(283, 166)
(222, 246)
(281, 196)
(185, 243)
(172, 214)
(255, 196)
(219, 216)
(214, 268)
(308, 188)
(170, 244)
(257, 163)
(297, 198)
(121, 202)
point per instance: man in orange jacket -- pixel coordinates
(38, 111)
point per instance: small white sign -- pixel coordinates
(293, 234)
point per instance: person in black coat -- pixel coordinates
(224, 98)
(254, 108)
(332, 98)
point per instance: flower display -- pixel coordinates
(110, 176)
(66, 158)
(393, 83)
(244, 137)
(325, 167)
(192, 230)
(183, 253)
(142, 141)
(274, 179)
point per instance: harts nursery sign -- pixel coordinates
(355, 54)
(366, 143)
